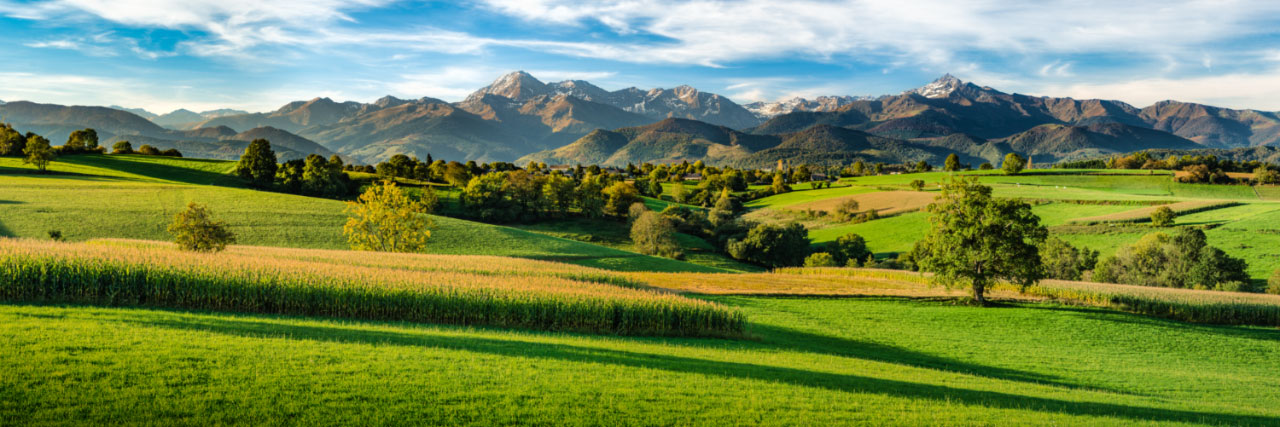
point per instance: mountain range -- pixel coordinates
(520, 118)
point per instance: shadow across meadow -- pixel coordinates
(262, 327)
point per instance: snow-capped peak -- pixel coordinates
(821, 103)
(940, 88)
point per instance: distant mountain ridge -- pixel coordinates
(56, 122)
(520, 118)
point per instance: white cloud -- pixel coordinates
(560, 75)
(1242, 90)
(72, 89)
(104, 44)
(713, 32)
(1056, 68)
(448, 83)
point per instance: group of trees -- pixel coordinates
(1182, 259)
(126, 147)
(1205, 169)
(34, 149)
(313, 176)
(38, 151)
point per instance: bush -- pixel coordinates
(1183, 260)
(148, 150)
(772, 245)
(122, 147)
(917, 185)
(1162, 217)
(820, 259)
(849, 248)
(55, 235)
(986, 166)
(1065, 262)
(1273, 283)
(195, 230)
(847, 210)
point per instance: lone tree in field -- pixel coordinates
(1013, 163)
(654, 234)
(975, 239)
(385, 219)
(195, 230)
(1162, 217)
(258, 164)
(952, 164)
(38, 152)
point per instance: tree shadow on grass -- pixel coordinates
(265, 327)
(158, 170)
(1115, 316)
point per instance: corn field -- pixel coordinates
(1216, 307)
(450, 289)
(1189, 305)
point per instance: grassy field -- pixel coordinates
(1064, 196)
(136, 197)
(126, 332)
(816, 361)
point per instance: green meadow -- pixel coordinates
(91, 197)
(823, 361)
(810, 358)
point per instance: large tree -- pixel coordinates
(952, 163)
(257, 164)
(38, 152)
(385, 219)
(975, 239)
(619, 197)
(84, 139)
(722, 212)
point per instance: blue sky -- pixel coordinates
(257, 55)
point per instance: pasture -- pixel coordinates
(560, 322)
(136, 197)
(827, 361)
(1096, 209)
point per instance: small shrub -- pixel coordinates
(1162, 217)
(847, 210)
(1273, 283)
(820, 259)
(56, 235)
(917, 185)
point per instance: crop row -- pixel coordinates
(482, 291)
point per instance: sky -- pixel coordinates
(257, 55)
